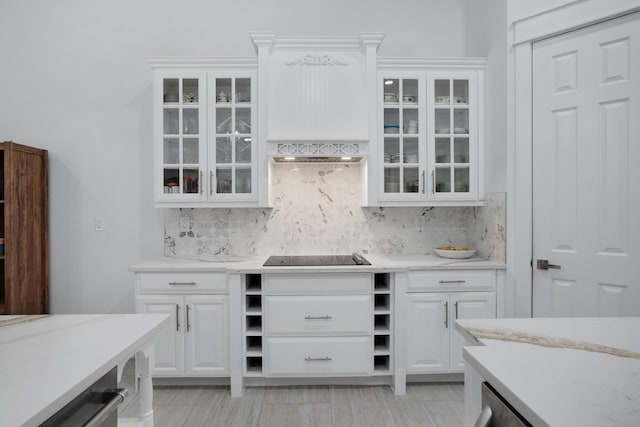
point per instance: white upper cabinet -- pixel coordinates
(232, 152)
(402, 143)
(430, 130)
(205, 119)
(452, 135)
(416, 123)
(180, 136)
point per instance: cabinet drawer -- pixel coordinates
(182, 283)
(319, 356)
(451, 280)
(318, 283)
(318, 315)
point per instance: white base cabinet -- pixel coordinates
(318, 325)
(196, 345)
(197, 342)
(435, 346)
(433, 302)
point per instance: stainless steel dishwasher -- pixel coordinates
(95, 406)
(497, 412)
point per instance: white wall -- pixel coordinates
(74, 80)
(486, 36)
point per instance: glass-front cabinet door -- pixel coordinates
(403, 145)
(232, 121)
(182, 136)
(452, 133)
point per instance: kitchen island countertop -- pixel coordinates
(561, 371)
(254, 265)
(45, 361)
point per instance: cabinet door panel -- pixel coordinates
(453, 135)
(169, 344)
(206, 323)
(468, 305)
(428, 332)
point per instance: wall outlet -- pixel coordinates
(100, 223)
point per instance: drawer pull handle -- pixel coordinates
(318, 317)
(318, 359)
(182, 283)
(177, 317)
(188, 322)
(452, 281)
(446, 314)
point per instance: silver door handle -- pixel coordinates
(318, 318)
(182, 283)
(104, 412)
(317, 359)
(177, 317)
(446, 314)
(543, 264)
(210, 182)
(484, 420)
(200, 183)
(451, 281)
(433, 181)
(188, 323)
(456, 306)
(424, 180)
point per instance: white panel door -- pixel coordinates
(428, 333)
(169, 343)
(468, 305)
(207, 335)
(586, 154)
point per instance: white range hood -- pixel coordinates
(318, 94)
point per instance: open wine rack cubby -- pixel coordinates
(252, 315)
(382, 324)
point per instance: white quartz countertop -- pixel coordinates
(254, 264)
(45, 361)
(561, 371)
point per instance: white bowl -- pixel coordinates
(455, 252)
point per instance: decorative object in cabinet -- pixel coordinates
(24, 262)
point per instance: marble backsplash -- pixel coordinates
(317, 210)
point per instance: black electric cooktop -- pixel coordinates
(315, 260)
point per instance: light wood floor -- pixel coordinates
(434, 404)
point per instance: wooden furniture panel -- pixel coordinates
(25, 281)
